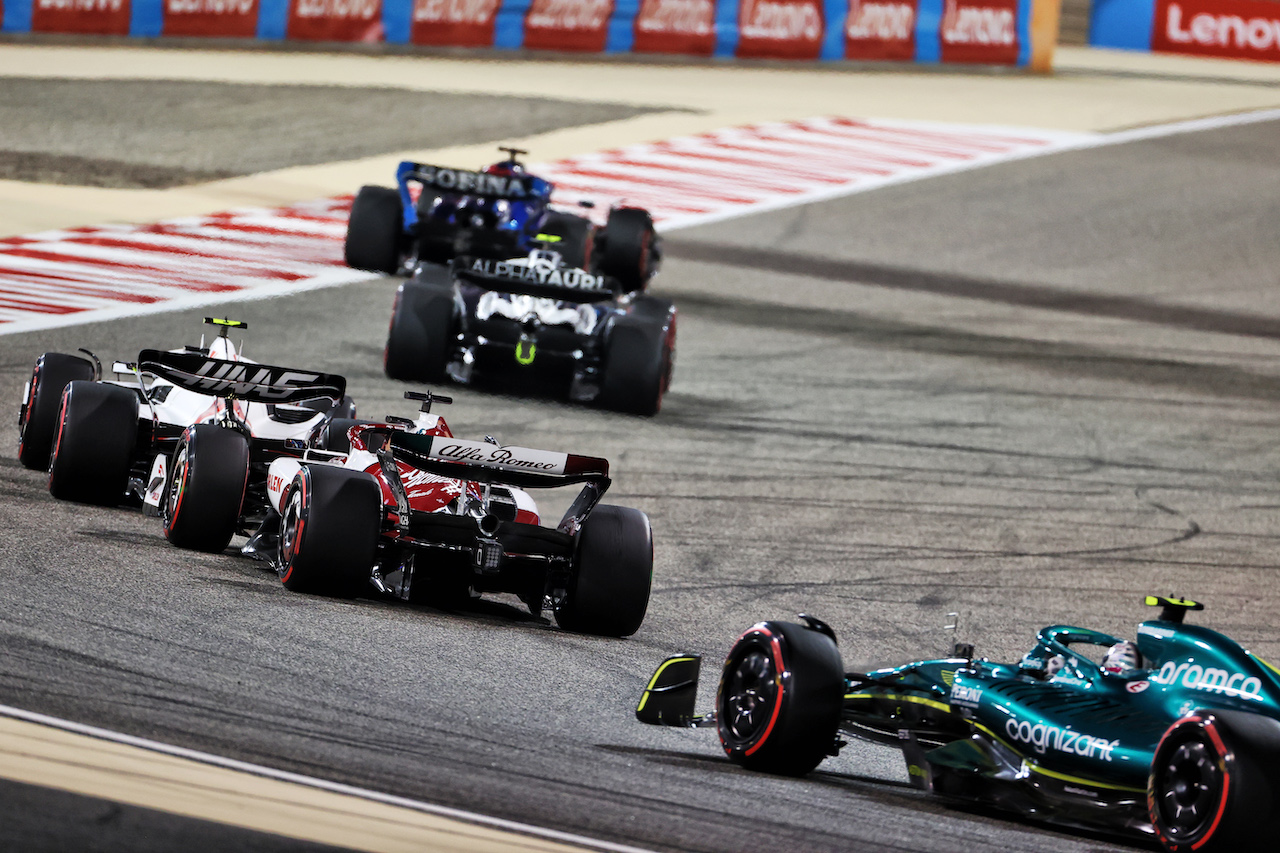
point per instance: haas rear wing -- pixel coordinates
(255, 383)
(568, 284)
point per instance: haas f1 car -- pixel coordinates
(1182, 745)
(189, 433)
(535, 321)
(405, 509)
(501, 212)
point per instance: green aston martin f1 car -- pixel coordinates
(1176, 736)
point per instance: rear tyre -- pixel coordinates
(94, 445)
(422, 335)
(329, 531)
(629, 243)
(333, 435)
(38, 418)
(778, 706)
(639, 360)
(373, 231)
(576, 237)
(207, 481)
(1213, 784)
(612, 571)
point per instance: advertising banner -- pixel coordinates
(581, 25)
(99, 17)
(335, 20)
(780, 29)
(231, 18)
(881, 29)
(1238, 29)
(676, 26)
(984, 31)
(462, 23)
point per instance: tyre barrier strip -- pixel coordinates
(1230, 29)
(79, 275)
(991, 32)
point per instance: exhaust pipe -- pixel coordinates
(488, 524)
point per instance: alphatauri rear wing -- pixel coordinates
(568, 284)
(255, 383)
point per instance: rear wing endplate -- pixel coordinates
(254, 383)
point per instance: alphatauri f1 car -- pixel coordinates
(189, 433)
(404, 509)
(1185, 748)
(534, 321)
(498, 213)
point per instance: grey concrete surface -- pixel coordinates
(875, 454)
(160, 133)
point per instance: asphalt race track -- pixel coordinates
(1030, 393)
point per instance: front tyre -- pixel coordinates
(612, 572)
(38, 417)
(778, 706)
(373, 231)
(207, 482)
(1213, 784)
(422, 334)
(94, 444)
(329, 531)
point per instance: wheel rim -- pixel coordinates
(1189, 790)
(290, 528)
(177, 481)
(750, 692)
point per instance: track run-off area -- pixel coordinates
(1019, 360)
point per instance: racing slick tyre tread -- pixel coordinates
(1215, 784)
(39, 417)
(94, 445)
(785, 725)
(628, 247)
(333, 435)
(612, 572)
(373, 231)
(422, 333)
(639, 360)
(329, 531)
(577, 236)
(205, 493)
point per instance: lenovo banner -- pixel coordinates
(99, 17)
(780, 29)
(676, 26)
(335, 20)
(881, 29)
(984, 31)
(232, 18)
(462, 23)
(568, 24)
(1239, 29)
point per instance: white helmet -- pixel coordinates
(1122, 659)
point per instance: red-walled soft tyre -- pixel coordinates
(781, 692)
(94, 445)
(208, 475)
(608, 592)
(38, 417)
(329, 531)
(628, 253)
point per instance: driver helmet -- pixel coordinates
(1122, 659)
(506, 168)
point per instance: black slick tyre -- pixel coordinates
(208, 474)
(333, 435)
(374, 231)
(94, 444)
(639, 360)
(780, 696)
(422, 334)
(577, 237)
(1214, 784)
(612, 572)
(38, 417)
(329, 531)
(628, 253)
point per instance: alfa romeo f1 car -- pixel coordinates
(405, 509)
(189, 433)
(1185, 749)
(536, 321)
(501, 212)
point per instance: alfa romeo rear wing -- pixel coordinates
(255, 383)
(568, 284)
